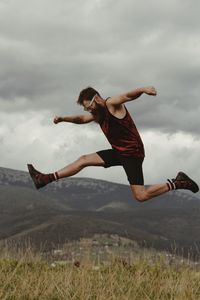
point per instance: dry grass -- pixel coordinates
(32, 277)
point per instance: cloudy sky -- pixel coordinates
(51, 49)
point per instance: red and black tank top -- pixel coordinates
(122, 134)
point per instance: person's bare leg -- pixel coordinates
(92, 159)
(141, 193)
(182, 181)
(41, 179)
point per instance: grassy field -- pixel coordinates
(143, 276)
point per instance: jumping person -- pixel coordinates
(127, 147)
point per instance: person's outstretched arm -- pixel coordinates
(132, 95)
(78, 119)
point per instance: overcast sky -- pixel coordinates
(50, 50)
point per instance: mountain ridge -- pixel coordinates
(77, 207)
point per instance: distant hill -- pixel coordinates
(80, 207)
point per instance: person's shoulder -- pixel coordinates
(116, 110)
(113, 106)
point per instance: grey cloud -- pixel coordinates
(51, 50)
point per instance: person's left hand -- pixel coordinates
(150, 90)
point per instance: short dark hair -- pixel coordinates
(86, 94)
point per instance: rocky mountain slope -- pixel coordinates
(77, 207)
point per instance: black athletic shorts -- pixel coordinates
(131, 165)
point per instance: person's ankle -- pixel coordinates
(56, 176)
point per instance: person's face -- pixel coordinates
(90, 105)
(95, 107)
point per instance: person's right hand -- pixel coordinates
(57, 120)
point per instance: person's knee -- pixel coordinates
(83, 160)
(141, 196)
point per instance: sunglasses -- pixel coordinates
(90, 104)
